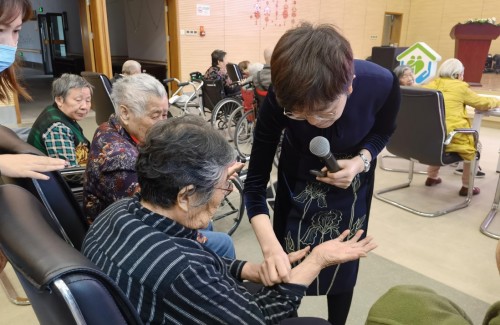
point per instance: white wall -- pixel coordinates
(137, 29)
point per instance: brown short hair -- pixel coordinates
(9, 11)
(311, 67)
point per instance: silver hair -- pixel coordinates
(62, 85)
(400, 70)
(451, 68)
(131, 67)
(179, 152)
(135, 91)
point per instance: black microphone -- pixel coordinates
(320, 147)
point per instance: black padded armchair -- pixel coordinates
(64, 211)
(64, 287)
(101, 96)
(421, 136)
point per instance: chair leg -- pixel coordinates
(11, 292)
(493, 212)
(465, 203)
(399, 170)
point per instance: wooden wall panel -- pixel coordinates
(431, 21)
(232, 26)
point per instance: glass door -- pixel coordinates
(51, 28)
(43, 30)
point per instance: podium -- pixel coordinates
(472, 43)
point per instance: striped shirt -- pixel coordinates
(172, 279)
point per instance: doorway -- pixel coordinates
(51, 28)
(391, 34)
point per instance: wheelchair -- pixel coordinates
(187, 98)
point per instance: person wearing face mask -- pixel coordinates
(13, 13)
(318, 89)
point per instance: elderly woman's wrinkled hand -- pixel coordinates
(26, 165)
(339, 250)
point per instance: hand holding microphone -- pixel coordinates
(320, 147)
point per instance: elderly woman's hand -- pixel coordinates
(338, 251)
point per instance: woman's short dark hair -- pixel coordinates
(217, 55)
(179, 152)
(311, 67)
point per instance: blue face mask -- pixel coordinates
(7, 56)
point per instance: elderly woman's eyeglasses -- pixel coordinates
(228, 189)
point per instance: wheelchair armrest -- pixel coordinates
(72, 171)
(450, 135)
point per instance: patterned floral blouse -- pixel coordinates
(110, 174)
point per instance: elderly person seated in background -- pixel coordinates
(56, 131)
(262, 78)
(457, 94)
(140, 102)
(218, 71)
(129, 68)
(147, 243)
(405, 75)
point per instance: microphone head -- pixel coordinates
(319, 146)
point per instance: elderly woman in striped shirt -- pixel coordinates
(147, 243)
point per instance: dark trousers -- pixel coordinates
(293, 320)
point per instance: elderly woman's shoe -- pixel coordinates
(432, 181)
(463, 191)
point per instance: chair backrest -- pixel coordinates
(212, 92)
(63, 286)
(64, 212)
(101, 96)
(234, 72)
(420, 128)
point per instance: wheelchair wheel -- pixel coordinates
(222, 111)
(229, 215)
(232, 121)
(243, 135)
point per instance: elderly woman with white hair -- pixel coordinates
(140, 102)
(457, 95)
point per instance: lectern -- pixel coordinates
(472, 42)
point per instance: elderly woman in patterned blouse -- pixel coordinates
(140, 102)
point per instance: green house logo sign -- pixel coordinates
(422, 59)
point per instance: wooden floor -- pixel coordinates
(490, 83)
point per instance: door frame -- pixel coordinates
(95, 37)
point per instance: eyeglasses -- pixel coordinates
(228, 189)
(323, 117)
(329, 116)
